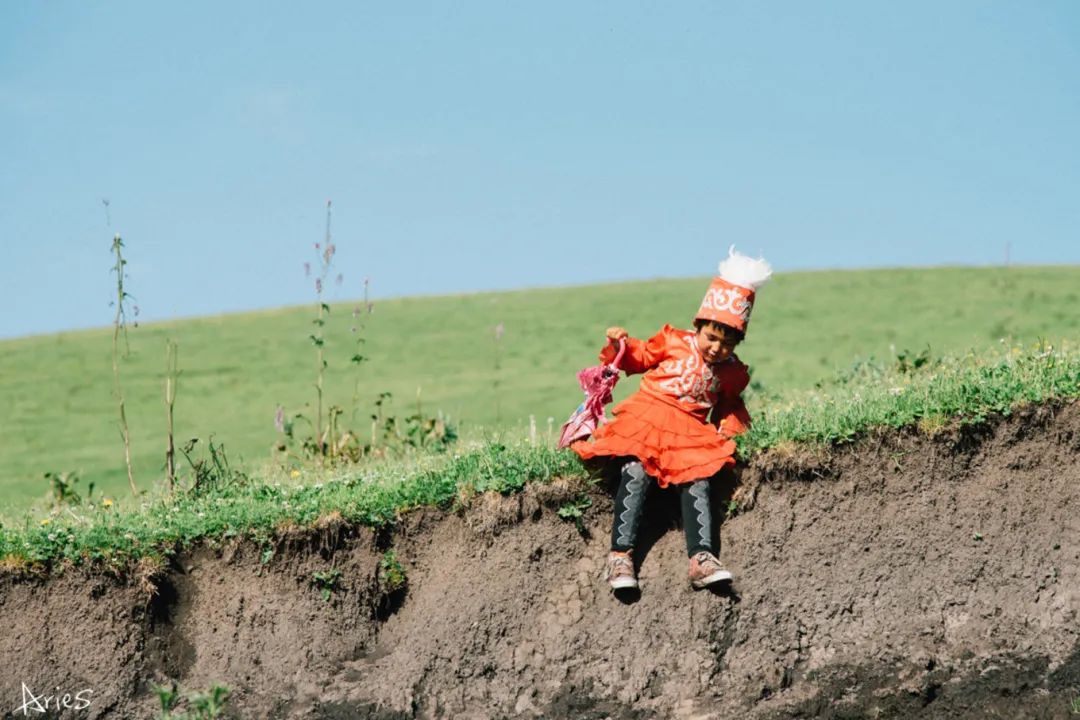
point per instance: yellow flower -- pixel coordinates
(46, 521)
(294, 474)
(106, 503)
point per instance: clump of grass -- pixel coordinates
(212, 471)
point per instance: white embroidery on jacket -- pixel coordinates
(692, 380)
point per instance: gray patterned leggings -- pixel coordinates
(630, 501)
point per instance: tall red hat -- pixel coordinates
(730, 297)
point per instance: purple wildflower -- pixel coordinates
(318, 285)
(279, 419)
(307, 269)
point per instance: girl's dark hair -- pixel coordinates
(726, 330)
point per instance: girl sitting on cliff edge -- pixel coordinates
(676, 429)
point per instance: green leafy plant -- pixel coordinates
(201, 705)
(391, 436)
(417, 431)
(62, 488)
(326, 581)
(168, 696)
(1074, 706)
(575, 510)
(209, 704)
(391, 573)
(907, 361)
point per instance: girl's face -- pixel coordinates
(715, 346)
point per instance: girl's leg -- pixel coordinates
(697, 517)
(629, 503)
(705, 568)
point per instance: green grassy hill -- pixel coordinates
(60, 413)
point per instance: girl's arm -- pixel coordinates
(729, 415)
(640, 355)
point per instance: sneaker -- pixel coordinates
(620, 570)
(706, 570)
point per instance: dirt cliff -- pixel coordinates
(901, 576)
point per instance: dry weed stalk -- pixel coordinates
(172, 375)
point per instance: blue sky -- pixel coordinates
(493, 145)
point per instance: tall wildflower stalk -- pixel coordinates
(120, 328)
(326, 259)
(172, 375)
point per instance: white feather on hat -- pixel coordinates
(744, 271)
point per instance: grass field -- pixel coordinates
(60, 414)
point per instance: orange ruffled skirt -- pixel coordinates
(673, 446)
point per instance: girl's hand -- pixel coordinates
(615, 334)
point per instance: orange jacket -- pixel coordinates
(677, 374)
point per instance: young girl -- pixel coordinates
(676, 429)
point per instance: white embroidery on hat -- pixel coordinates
(727, 300)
